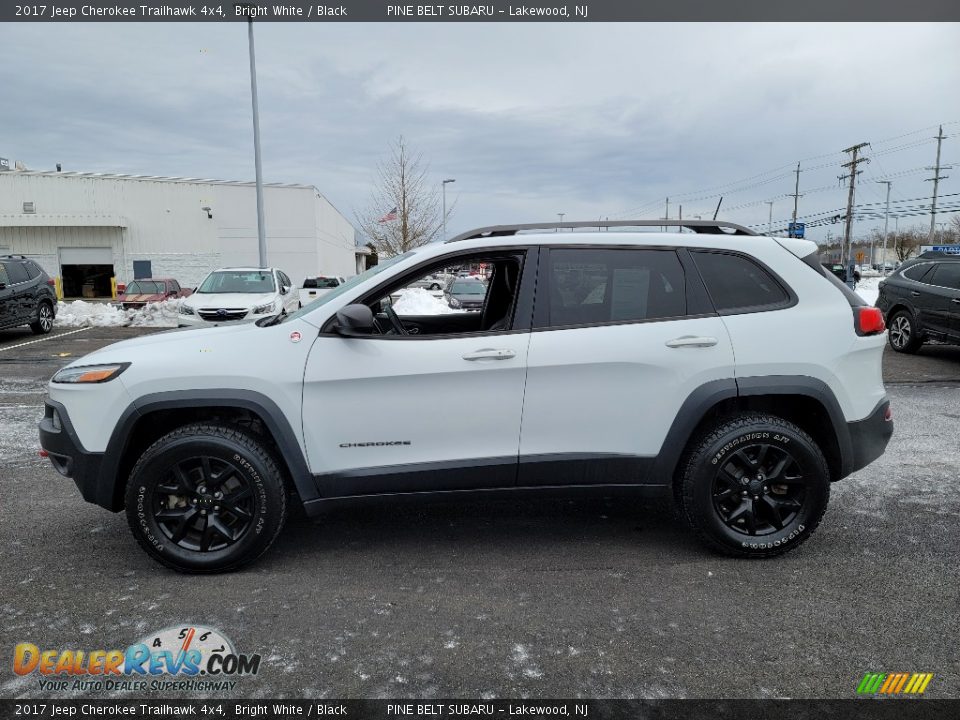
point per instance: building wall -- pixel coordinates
(163, 221)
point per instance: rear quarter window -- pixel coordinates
(918, 272)
(739, 284)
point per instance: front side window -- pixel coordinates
(738, 284)
(589, 286)
(947, 274)
(238, 281)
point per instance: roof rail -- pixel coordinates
(713, 227)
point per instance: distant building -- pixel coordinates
(90, 227)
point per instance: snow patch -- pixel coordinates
(80, 313)
(868, 289)
(417, 301)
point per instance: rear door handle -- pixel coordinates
(915, 293)
(691, 341)
(490, 354)
(956, 300)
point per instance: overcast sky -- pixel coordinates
(531, 119)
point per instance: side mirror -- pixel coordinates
(284, 289)
(355, 320)
(3, 286)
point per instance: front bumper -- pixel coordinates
(68, 456)
(869, 437)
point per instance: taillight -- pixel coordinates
(868, 320)
(51, 282)
(888, 414)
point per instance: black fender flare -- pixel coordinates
(268, 411)
(699, 403)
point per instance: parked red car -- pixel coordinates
(147, 290)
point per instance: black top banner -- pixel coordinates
(218, 709)
(585, 11)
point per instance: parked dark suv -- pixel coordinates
(27, 296)
(921, 301)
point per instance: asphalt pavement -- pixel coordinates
(550, 598)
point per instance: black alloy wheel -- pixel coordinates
(206, 504)
(759, 490)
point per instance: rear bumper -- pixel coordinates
(869, 437)
(69, 457)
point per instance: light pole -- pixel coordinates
(770, 218)
(561, 218)
(444, 186)
(261, 224)
(886, 225)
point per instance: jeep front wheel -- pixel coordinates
(754, 486)
(206, 498)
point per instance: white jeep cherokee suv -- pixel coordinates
(235, 295)
(725, 369)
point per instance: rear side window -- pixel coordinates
(738, 284)
(16, 272)
(589, 286)
(919, 272)
(33, 270)
(946, 274)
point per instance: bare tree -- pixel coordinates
(906, 242)
(404, 209)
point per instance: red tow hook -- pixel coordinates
(43, 453)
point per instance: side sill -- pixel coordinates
(322, 505)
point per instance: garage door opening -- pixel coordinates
(87, 281)
(86, 271)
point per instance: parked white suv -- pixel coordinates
(727, 370)
(237, 295)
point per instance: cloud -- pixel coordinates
(532, 119)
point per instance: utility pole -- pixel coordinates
(666, 215)
(796, 199)
(680, 217)
(561, 220)
(886, 226)
(770, 218)
(443, 185)
(855, 160)
(937, 177)
(258, 167)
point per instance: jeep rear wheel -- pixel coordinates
(206, 498)
(754, 486)
(903, 335)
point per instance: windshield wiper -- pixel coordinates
(270, 320)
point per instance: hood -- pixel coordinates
(189, 339)
(246, 301)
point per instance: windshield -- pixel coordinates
(238, 281)
(143, 287)
(468, 288)
(349, 285)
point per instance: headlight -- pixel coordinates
(186, 309)
(90, 373)
(454, 303)
(267, 307)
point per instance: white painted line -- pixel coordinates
(43, 339)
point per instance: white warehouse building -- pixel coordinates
(90, 227)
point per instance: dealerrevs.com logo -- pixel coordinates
(188, 657)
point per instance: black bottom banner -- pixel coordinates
(860, 709)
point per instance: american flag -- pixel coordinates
(392, 215)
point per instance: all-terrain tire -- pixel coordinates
(164, 490)
(711, 490)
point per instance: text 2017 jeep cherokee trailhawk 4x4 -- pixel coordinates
(725, 368)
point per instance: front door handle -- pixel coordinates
(691, 341)
(490, 354)
(956, 300)
(915, 293)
